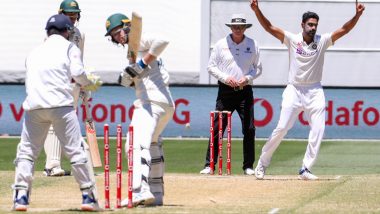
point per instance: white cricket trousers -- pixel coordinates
(35, 128)
(295, 99)
(148, 121)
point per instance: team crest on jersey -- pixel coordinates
(301, 51)
(248, 50)
(314, 46)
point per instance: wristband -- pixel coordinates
(142, 63)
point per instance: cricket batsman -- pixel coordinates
(154, 107)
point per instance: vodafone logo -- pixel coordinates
(351, 113)
(267, 117)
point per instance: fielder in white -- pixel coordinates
(52, 147)
(304, 90)
(154, 107)
(49, 70)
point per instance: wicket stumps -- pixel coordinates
(118, 165)
(130, 167)
(106, 167)
(119, 142)
(220, 141)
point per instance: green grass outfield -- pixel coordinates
(349, 172)
(187, 156)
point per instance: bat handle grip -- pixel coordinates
(87, 110)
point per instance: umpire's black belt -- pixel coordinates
(225, 87)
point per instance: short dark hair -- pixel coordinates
(309, 15)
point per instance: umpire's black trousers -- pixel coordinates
(241, 100)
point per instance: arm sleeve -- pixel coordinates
(256, 68)
(153, 46)
(76, 66)
(213, 63)
(287, 38)
(327, 40)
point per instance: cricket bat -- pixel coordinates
(91, 137)
(90, 126)
(134, 37)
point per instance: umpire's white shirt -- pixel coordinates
(306, 61)
(237, 60)
(49, 69)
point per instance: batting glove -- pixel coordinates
(136, 69)
(125, 80)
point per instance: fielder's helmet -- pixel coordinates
(69, 6)
(115, 20)
(60, 22)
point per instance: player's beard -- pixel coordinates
(311, 33)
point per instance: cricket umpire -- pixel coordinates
(235, 63)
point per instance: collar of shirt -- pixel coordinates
(230, 41)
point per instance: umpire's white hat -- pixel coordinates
(239, 19)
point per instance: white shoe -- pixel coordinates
(206, 170)
(249, 171)
(260, 171)
(93, 207)
(20, 203)
(89, 203)
(55, 171)
(305, 174)
(19, 207)
(124, 203)
(144, 197)
(158, 201)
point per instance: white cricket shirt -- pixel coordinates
(237, 60)
(154, 84)
(306, 61)
(49, 69)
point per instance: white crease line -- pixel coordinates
(274, 210)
